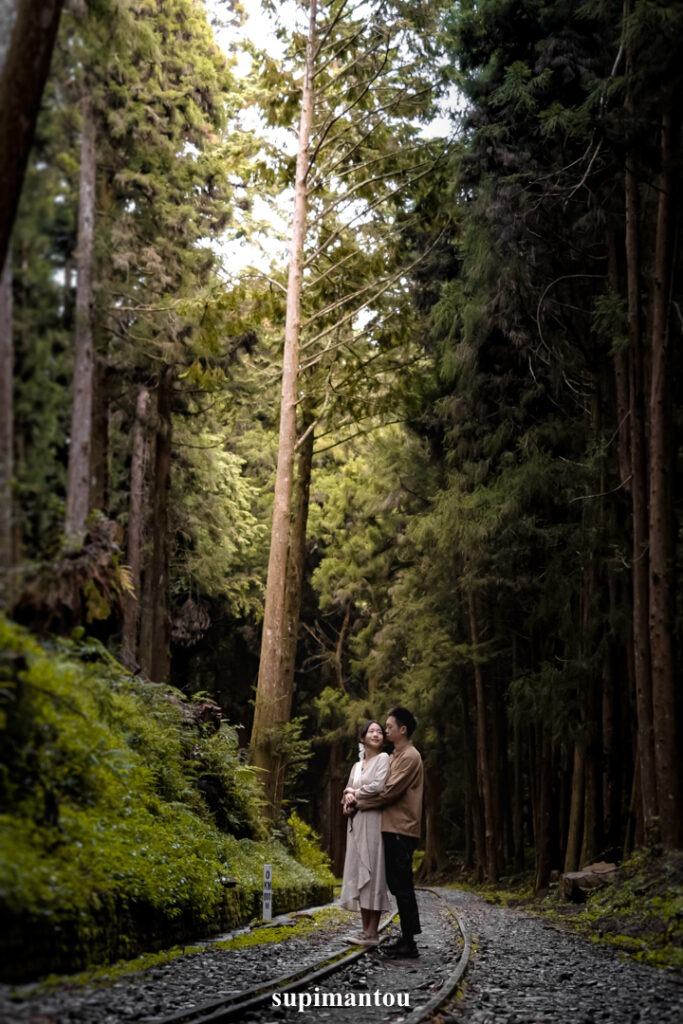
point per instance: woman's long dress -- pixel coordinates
(364, 881)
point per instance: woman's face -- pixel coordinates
(374, 737)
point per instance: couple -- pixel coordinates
(383, 801)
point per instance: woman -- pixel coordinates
(364, 883)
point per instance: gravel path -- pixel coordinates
(522, 971)
(526, 971)
(376, 989)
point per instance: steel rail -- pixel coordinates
(228, 1007)
(422, 1013)
(231, 1008)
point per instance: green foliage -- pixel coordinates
(217, 533)
(291, 749)
(304, 844)
(361, 504)
(113, 788)
(641, 913)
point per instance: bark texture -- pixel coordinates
(6, 437)
(135, 529)
(78, 484)
(155, 639)
(26, 59)
(272, 695)
(662, 445)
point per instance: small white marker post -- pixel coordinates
(267, 892)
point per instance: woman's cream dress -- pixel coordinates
(364, 881)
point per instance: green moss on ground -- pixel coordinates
(119, 802)
(641, 913)
(298, 926)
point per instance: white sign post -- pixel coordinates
(267, 892)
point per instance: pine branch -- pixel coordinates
(348, 109)
(402, 272)
(368, 209)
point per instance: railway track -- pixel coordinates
(309, 988)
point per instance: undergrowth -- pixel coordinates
(112, 787)
(245, 938)
(640, 914)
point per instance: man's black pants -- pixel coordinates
(398, 860)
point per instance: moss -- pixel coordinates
(247, 939)
(107, 838)
(641, 913)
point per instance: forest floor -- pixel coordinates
(640, 913)
(528, 965)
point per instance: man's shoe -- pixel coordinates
(402, 950)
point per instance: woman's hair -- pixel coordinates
(373, 721)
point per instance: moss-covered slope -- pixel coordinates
(128, 820)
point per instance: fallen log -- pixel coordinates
(574, 885)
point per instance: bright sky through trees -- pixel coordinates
(270, 217)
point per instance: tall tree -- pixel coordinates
(273, 699)
(28, 29)
(79, 473)
(161, 94)
(136, 505)
(6, 438)
(364, 91)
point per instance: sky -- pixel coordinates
(271, 242)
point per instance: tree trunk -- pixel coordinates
(517, 799)
(592, 814)
(435, 858)
(99, 438)
(475, 845)
(575, 831)
(639, 489)
(662, 448)
(272, 699)
(296, 562)
(609, 755)
(483, 766)
(543, 837)
(155, 640)
(332, 821)
(138, 472)
(498, 748)
(78, 484)
(621, 589)
(28, 29)
(6, 437)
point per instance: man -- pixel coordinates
(401, 804)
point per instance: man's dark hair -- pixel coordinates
(404, 717)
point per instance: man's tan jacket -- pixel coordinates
(401, 798)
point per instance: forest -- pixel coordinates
(339, 370)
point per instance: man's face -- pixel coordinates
(393, 729)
